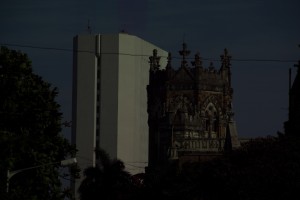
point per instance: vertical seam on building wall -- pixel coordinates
(98, 89)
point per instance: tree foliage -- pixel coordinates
(30, 130)
(108, 180)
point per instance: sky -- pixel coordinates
(262, 36)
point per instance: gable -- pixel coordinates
(183, 75)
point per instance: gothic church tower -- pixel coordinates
(190, 113)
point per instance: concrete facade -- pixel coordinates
(110, 76)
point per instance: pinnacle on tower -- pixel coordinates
(154, 61)
(225, 58)
(169, 58)
(184, 53)
(198, 61)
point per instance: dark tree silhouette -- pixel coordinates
(30, 126)
(108, 180)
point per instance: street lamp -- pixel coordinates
(63, 163)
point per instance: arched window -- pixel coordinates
(212, 121)
(207, 121)
(215, 122)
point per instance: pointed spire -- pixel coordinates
(154, 61)
(211, 67)
(184, 53)
(169, 59)
(225, 67)
(225, 58)
(198, 61)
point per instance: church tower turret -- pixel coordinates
(189, 111)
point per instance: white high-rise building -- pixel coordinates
(110, 76)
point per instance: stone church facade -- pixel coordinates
(190, 113)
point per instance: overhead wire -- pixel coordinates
(143, 55)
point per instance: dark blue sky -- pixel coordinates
(265, 29)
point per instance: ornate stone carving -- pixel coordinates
(194, 102)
